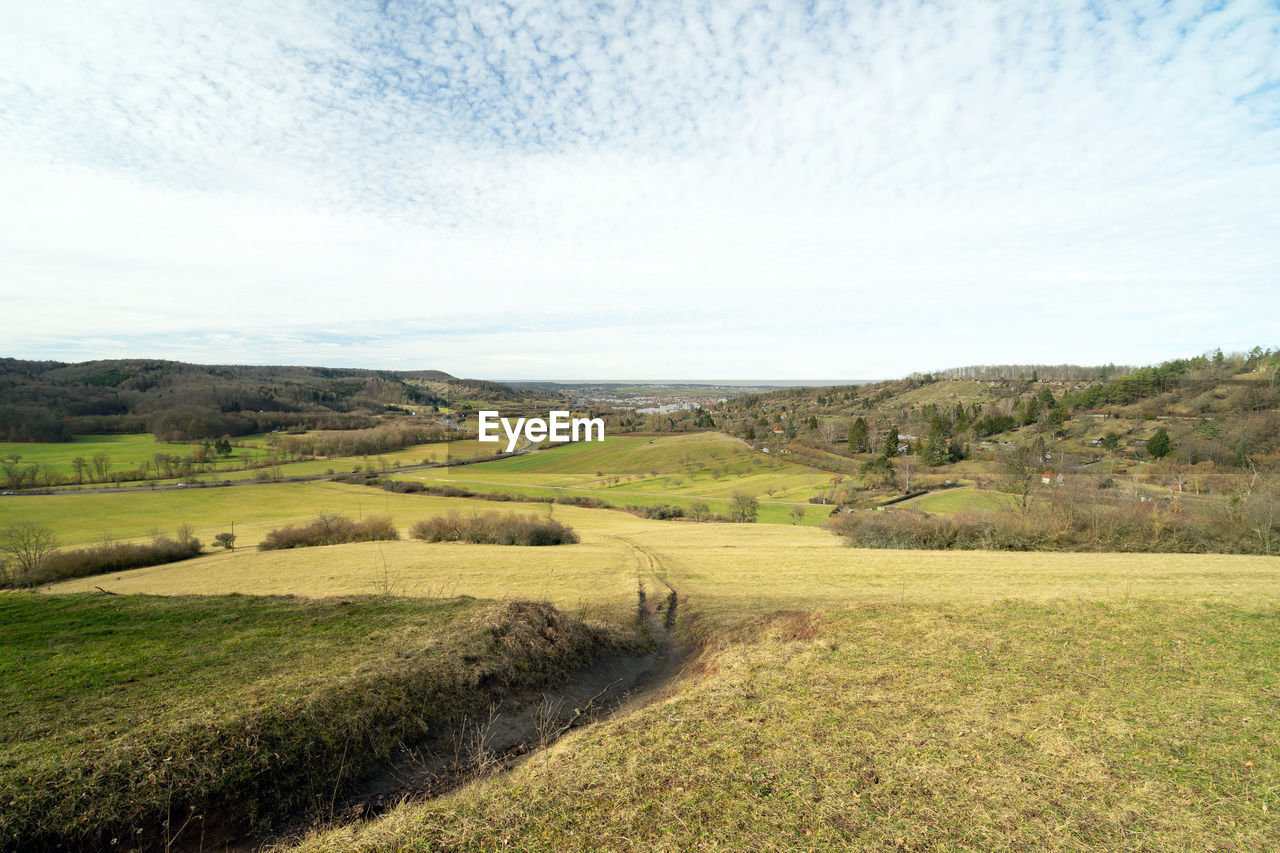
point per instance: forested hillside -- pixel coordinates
(51, 401)
(1210, 408)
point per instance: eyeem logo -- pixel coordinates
(559, 428)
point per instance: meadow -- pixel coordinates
(962, 500)
(1067, 725)
(142, 715)
(649, 470)
(833, 698)
(128, 452)
(728, 572)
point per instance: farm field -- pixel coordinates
(961, 500)
(126, 452)
(728, 572)
(78, 519)
(840, 698)
(703, 465)
(648, 470)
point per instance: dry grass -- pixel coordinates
(1014, 726)
(243, 709)
(727, 572)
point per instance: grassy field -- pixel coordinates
(127, 452)
(707, 465)
(649, 470)
(77, 519)
(845, 698)
(1011, 726)
(962, 500)
(138, 710)
(726, 571)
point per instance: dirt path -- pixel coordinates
(524, 723)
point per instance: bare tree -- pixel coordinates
(1018, 470)
(16, 474)
(27, 544)
(743, 507)
(906, 466)
(101, 465)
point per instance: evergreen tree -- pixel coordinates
(934, 452)
(1159, 445)
(891, 443)
(858, 436)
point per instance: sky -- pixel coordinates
(639, 190)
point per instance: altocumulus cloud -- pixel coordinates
(647, 189)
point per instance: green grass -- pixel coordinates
(902, 699)
(126, 709)
(127, 452)
(77, 519)
(962, 500)
(770, 511)
(1009, 726)
(648, 470)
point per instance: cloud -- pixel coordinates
(725, 190)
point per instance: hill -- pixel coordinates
(52, 401)
(1215, 408)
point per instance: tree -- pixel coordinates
(743, 508)
(187, 537)
(858, 436)
(877, 472)
(226, 540)
(14, 473)
(934, 452)
(906, 466)
(699, 510)
(101, 465)
(1018, 469)
(1159, 445)
(1030, 411)
(797, 514)
(891, 443)
(27, 544)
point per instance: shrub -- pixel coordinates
(403, 487)
(1068, 525)
(661, 512)
(492, 528)
(583, 501)
(330, 530)
(117, 557)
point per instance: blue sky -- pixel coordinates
(657, 189)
